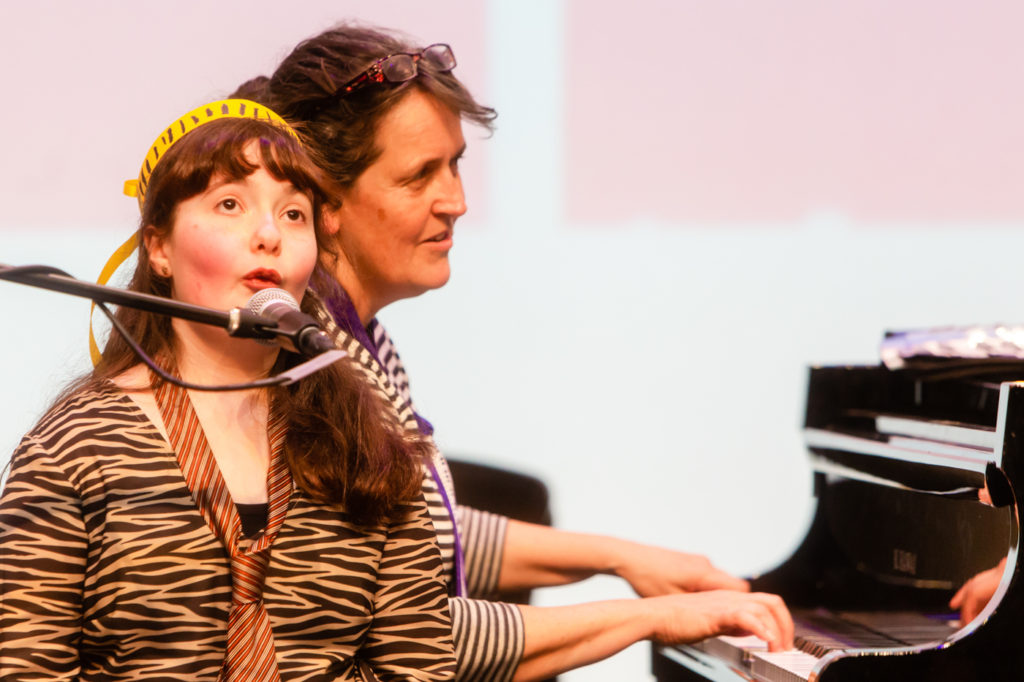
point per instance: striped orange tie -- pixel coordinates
(251, 654)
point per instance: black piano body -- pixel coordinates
(899, 458)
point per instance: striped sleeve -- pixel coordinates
(483, 540)
(410, 636)
(42, 569)
(489, 639)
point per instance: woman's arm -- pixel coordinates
(567, 637)
(42, 569)
(410, 637)
(536, 556)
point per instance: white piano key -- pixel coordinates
(783, 666)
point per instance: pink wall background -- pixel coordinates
(694, 112)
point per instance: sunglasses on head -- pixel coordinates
(400, 67)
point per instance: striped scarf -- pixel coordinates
(251, 654)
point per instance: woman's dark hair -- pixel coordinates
(341, 447)
(342, 129)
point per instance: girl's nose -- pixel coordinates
(267, 235)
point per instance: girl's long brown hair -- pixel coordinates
(342, 447)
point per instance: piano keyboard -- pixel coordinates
(820, 632)
(751, 653)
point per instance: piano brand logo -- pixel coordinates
(904, 561)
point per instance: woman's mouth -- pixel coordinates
(440, 237)
(262, 278)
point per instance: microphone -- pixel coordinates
(293, 329)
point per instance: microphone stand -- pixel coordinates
(238, 322)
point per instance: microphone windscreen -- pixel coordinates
(262, 300)
(263, 303)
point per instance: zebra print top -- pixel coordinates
(108, 571)
(489, 635)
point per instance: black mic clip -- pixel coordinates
(245, 324)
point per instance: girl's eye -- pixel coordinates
(294, 214)
(229, 204)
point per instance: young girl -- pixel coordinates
(151, 532)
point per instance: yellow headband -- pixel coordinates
(226, 108)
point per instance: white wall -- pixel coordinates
(654, 252)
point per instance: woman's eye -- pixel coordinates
(420, 177)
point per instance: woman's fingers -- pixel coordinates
(696, 616)
(783, 618)
(958, 598)
(776, 622)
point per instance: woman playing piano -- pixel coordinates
(385, 116)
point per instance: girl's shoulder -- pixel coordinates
(94, 408)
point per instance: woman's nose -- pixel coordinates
(266, 235)
(452, 200)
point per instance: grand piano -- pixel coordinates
(901, 460)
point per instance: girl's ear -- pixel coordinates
(159, 259)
